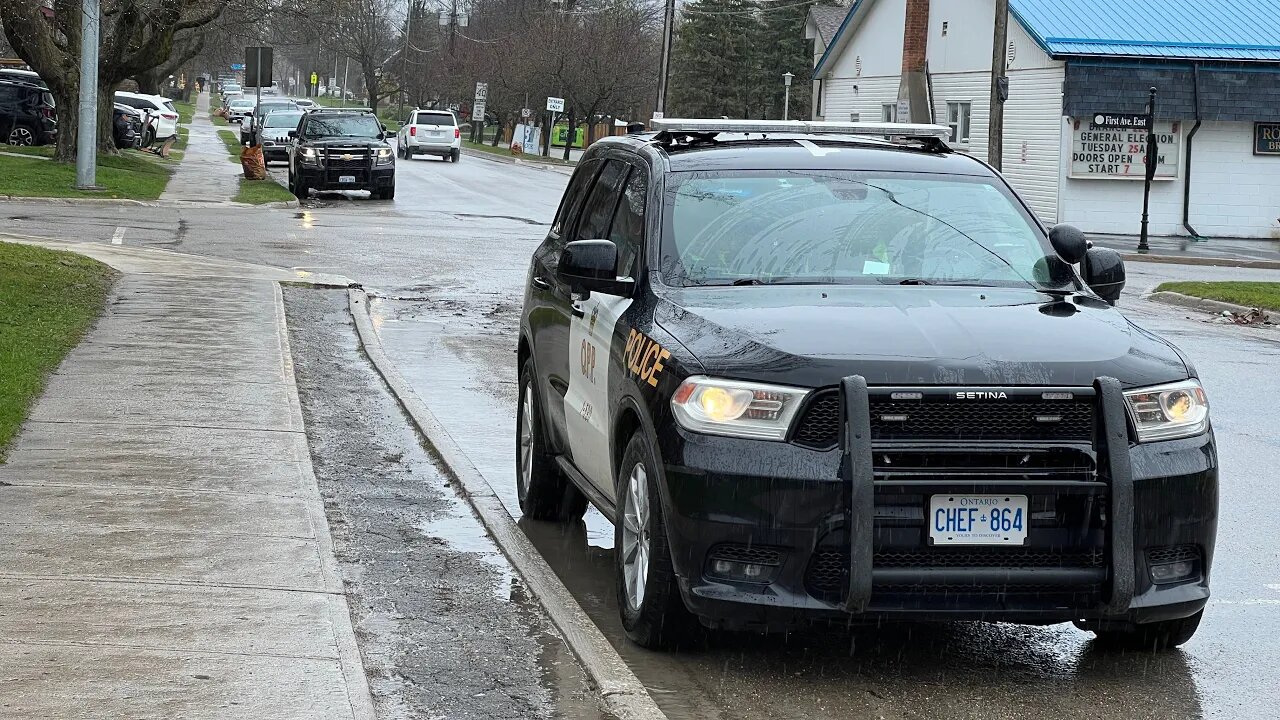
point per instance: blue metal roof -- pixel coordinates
(1186, 29)
(1175, 29)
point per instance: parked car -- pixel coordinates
(249, 130)
(25, 76)
(165, 114)
(230, 88)
(239, 107)
(430, 132)
(342, 149)
(128, 125)
(27, 115)
(274, 135)
(305, 104)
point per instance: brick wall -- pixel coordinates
(915, 36)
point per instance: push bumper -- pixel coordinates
(837, 536)
(320, 178)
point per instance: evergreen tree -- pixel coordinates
(715, 60)
(784, 49)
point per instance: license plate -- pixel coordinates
(978, 520)
(436, 133)
(346, 178)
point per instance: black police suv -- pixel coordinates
(341, 149)
(824, 372)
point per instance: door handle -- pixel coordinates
(541, 282)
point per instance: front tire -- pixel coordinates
(653, 613)
(300, 189)
(544, 492)
(1147, 637)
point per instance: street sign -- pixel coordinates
(657, 115)
(237, 66)
(555, 104)
(314, 78)
(477, 111)
(526, 113)
(257, 71)
(482, 92)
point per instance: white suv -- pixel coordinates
(164, 116)
(430, 132)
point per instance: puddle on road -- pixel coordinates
(459, 529)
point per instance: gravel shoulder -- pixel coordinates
(446, 630)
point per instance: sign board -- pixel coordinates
(658, 115)
(555, 104)
(237, 66)
(526, 113)
(314, 78)
(1266, 138)
(903, 111)
(257, 71)
(526, 140)
(482, 92)
(1106, 146)
(477, 111)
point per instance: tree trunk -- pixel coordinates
(148, 82)
(568, 138)
(371, 85)
(66, 97)
(106, 136)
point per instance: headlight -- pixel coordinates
(308, 154)
(1170, 411)
(386, 156)
(739, 409)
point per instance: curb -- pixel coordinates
(146, 203)
(1206, 261)
(549, 167)
(1216, 307)
(620, 691)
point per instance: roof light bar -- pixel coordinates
(803, 127)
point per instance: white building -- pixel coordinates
(1079, 73)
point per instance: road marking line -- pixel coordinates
(117, 238)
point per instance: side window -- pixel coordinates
(627, 231)
(410, 120)
(578, 185)
(598, 211)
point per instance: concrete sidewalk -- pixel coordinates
(164, 551)
(204, 175)
(1260, 253)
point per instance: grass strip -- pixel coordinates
(232, 141)
(257, 192)
(50, 300)
(129, 175)
(1250, 294)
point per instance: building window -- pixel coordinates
(889, 112)
(958, 119)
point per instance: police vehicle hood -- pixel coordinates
(812, 336)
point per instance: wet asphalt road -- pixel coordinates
(447, 260)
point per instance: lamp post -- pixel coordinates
(786, 95)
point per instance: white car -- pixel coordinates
(430, 132)
(164, 116)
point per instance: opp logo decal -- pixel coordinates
(644, 357)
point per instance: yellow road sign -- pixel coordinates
(314, 79)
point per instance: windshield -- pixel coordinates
(427, 118)
(241, 103)
(839, 226)
(279, 119)
(349, 126)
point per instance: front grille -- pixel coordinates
(828, 574)
(982, 420)
(952, 589)
(995, 557)
(335, 160)
(759, 555)
(1065, 420)
(1172, 554)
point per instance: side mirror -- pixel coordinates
(590, 265)
(1103, 270)
(1069, 242)
(293, 133)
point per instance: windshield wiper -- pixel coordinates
(747, 281)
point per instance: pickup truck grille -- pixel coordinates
(936, 419)
(340, 158)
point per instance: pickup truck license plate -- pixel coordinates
(346, 178)
(978, 520)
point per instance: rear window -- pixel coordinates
(279, 119)
(434, 118)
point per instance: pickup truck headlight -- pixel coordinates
(386, 156)
(309, 155)
(1167, 412)
(737, 409)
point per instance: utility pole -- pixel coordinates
(999, 86)
(346, 70)
(87, 132)
(404, 57)
(668, 27)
